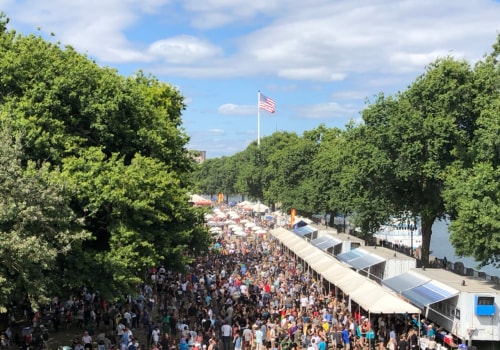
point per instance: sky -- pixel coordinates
(320, 61)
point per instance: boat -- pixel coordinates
(401, 231)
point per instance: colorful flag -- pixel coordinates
(293, 212)
(266, 103)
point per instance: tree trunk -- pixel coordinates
(427, 223)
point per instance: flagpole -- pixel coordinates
(258, 119)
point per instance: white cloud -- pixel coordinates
(349, 95)
(216, 131)
(233, 109)
(313, 73)
(92, 26)
(326, 111)
(320, 40)
(184, 49)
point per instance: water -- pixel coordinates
(441, 247)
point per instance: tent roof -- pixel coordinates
(325, 242)
(419, 289)
(369, 295)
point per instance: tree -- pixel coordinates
(422, 131)
(472, 194)
(291, 169)
(37, 225)
(121, 147)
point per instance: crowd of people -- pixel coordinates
(247, 293)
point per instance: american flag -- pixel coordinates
(266, 103)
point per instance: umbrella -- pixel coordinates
(261, 232)
(244, 203)
(199, 200)
(255, 228)
(244, 221)
(211, 223)
(249, 224)
(259, 207)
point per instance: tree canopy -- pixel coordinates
(102, 160)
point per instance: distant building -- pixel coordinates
(198, 156)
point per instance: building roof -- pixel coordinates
(472, 284)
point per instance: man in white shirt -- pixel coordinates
(226, 331)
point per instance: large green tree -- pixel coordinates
(421, 132)
(119, 143)
(473, 192)
(37, 225)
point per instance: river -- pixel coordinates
(441, 247)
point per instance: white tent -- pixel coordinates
(369, 295)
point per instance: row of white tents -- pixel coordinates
(231, 219)
(372, 297)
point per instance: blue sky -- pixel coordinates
(320, 60)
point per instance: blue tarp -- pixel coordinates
(325, 242)
(427, 294)
(351, 255)
(365, 261)
(304, 230)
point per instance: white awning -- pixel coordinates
(373, 298)
(369, 295)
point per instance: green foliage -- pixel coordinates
(472, 193)
(138, 212)
(120, 146)
(473, 196)
(37, 226)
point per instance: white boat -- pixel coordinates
(401, 231)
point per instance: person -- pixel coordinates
(413, 340)
(155, 335)
(431, 345)
(165, 342)
(312, 345)
(247, 338)
(125, 338)
(87, 341)
(322, 344)
(237, 341)
(391, 344)
(402, 344)
(183, 344)
(346, 338)
(226, 331)
(133, 344)
(212, 344)
(258, 339)
(337, 338)
(102, 342)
